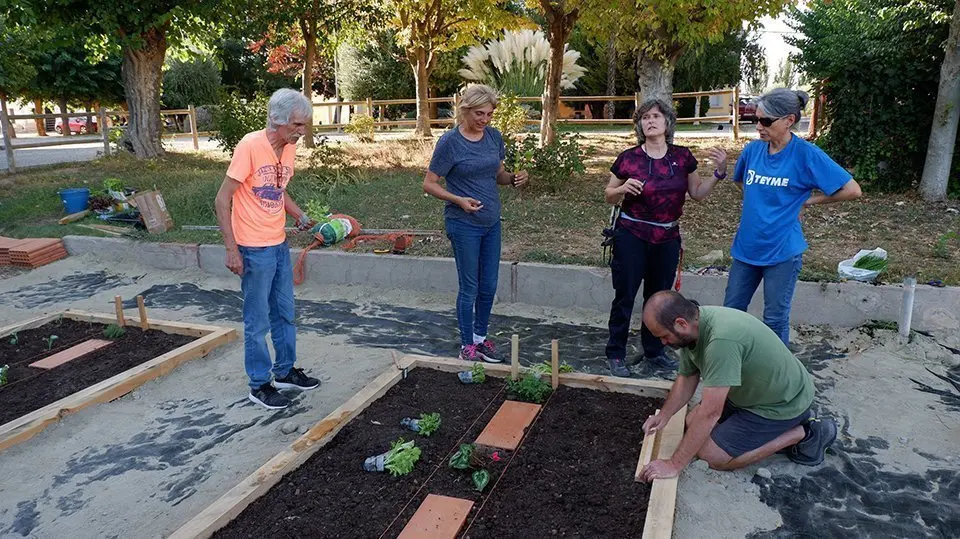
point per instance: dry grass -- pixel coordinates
(383, 190)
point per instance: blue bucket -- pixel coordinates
(75, 200)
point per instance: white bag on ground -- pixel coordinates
(847, 271)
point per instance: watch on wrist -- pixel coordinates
(717, 175)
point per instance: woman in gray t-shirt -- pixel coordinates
(470, 158)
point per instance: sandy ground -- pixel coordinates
(144, 464)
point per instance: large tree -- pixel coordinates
(309, 29)
(946, 116)
(425, 28)
(660, 32)
(17, 52)
(143, 30)
(561, 16)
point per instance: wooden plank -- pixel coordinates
(645, 388)
(30, 323)
(74, 217)
(70, 354)
(663, 494)
(25, 427)
(647, 449)
(166, 326)
(231, 504)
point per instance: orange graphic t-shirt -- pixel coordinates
(258, 216)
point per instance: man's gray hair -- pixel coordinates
(781, 102)
(669, 116)
(286, 103)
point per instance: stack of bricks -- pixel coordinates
(31, 252)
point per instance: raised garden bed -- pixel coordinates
(573, 473)
(62, 362)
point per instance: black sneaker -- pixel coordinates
(268, 397)
(488, 352)
(661, 361)
(296, 379)
(618, 367)
(820, 434)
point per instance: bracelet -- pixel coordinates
(717, 175)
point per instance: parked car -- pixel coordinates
(78, 124)
(747, 109)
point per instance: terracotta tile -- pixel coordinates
(507, 426)
(438, 517)
(71, 353)
(35, 245)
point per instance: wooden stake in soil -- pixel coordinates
(515, 357)
(118, 302)
(554, 363)
(144, 325)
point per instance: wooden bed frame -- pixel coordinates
(663, 496)
(26, 426)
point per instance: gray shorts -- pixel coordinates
(740, 431)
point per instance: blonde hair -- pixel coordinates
(475, 96)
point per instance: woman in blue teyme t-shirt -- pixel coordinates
(778, 175)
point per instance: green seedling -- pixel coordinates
(479, 374)
(530, 388)
(429, 423)
(547, 368)
(14, 339)
(401, 457)
(50, 340)
(3, 374)
(871, 263)
(464, 458)
(114, 331)
(480, 479)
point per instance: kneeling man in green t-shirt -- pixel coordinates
(756, 395)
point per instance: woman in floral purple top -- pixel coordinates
(650, 181)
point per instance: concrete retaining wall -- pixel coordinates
(839, 304)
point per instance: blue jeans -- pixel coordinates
(779, 282)
(267, 285)
(477, 252)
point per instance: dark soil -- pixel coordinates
(573, 475)
(29, 388)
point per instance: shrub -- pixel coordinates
(361, 127)
(553, 165)
(510, 117)
(236, 117)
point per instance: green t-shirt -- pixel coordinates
(738, 351)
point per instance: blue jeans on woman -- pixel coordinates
(477, 252)
(267, 285)
(779, 282)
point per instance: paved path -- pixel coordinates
(87, 151)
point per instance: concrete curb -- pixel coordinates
(838, 304)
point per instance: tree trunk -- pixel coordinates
(64, 119)
(9, 127)
(90, 130)
(696, 109)
(421, 74)
(38, 109)
(141, 73)
(560, 24)
(655, 78)
(610, 108)
(943, 133)
(309, 29)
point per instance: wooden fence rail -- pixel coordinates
(370, 105)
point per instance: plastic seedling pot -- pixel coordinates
(465, 377)
(375, 464)
(410, 423)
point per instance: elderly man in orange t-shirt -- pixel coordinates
(252, 206)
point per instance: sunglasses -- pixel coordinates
(767, 122)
